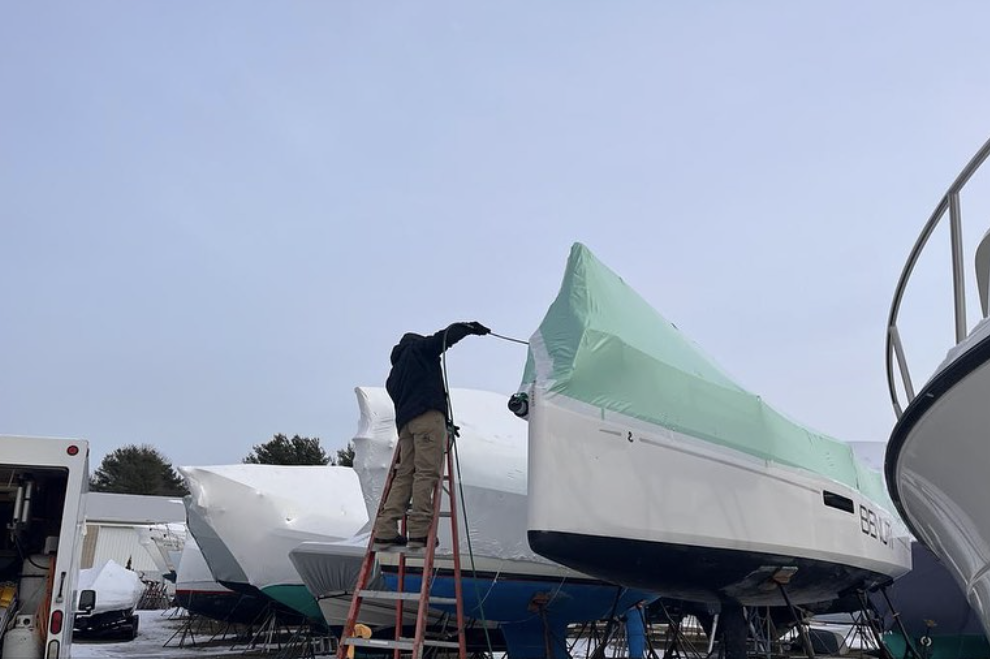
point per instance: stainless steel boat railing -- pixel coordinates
(949, 202)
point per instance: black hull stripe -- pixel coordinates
(699, 573)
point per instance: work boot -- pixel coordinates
(419, 542)
(381, 544)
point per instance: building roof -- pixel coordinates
(134, 509)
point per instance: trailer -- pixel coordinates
(42, 486)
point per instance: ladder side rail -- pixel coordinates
(400, 587)
(458, 587)
(366, 564)
(426, 583)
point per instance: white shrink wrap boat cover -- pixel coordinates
(260, 512)
(492, 450)
(193, 574)
(330, 569)
(116, 587)
(217, 556)
(164, 543)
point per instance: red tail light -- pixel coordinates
(56, 625)
(72, 450)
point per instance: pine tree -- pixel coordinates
(281, 450)
(137, 470)
(345, 456)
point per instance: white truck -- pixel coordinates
(42, 486)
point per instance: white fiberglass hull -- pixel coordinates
(937, 462)
(643, 506)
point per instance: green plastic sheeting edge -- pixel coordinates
(602, 344)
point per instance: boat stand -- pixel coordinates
(867, 627)
(762, 631)
(307, 641)
(539, 602)
(155, 596)
(208, 630)
(272, 632)
(187, 631)
(651, 651)
(175, 612)
(610, 627)
(677, 645)
(799, 622)
(910, 651)
(608, 636)
(228, 627)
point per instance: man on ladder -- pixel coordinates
(416, 387)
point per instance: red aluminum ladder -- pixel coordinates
(414, 645)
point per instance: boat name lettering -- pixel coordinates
(873, 525)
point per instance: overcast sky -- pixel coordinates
(217, 218)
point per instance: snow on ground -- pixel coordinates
(161, 627)
(156, 628)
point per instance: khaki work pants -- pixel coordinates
(421, 445)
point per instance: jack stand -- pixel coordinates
(910, 651)
(651, 651)
(675, 647)
(875, 628)
(762, 635)
(798, 622)
(184, 632)
(610, 626)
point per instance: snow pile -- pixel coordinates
(116, 587)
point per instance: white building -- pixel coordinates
(113, 527)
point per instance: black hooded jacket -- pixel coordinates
(415, 383)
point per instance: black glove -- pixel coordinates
(477, 328)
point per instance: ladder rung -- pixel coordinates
(404, 595)
(403, 643)
(444, 514)
(434, 642)
(417, 553)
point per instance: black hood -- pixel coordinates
(407, 339)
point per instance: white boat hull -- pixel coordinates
(937, 462)
(635, 503)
